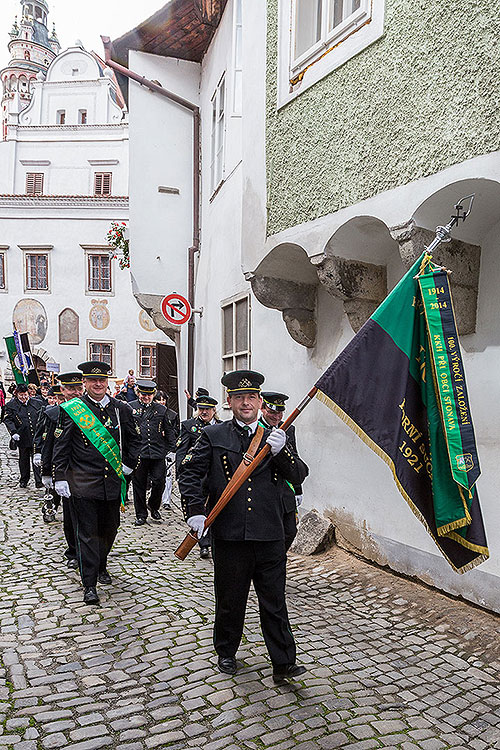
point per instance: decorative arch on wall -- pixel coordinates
(69, 327)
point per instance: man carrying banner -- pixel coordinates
(248, 535)
(21, 417)
(97, 432)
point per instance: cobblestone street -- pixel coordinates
(390, 663)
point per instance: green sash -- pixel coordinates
(98, 435)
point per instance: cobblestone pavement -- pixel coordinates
(390, 663)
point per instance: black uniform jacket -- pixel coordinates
(174, 421)
(157, 432)
(289, 502)
(255, 513)
(22, 419)
(78, 462)
(191, 430)
(52, 416)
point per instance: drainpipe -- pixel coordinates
(195, 248)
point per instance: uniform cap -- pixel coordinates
(55, 391)
(206, 402)
(274, 401)
(242, 381)
(21, 388)
(70, 378)
(95, 369)
(145, 386)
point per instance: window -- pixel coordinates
(102, 352)
(37, 271)
(236, 335)
(217, 136)
(61, 116)
(26, 55)
(237, 60)
(34, 183)
(147, 360)
(82, 116)
(99, 273)
(317, 36)
(3, 283)
(102, 183)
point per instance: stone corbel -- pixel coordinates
(297, 303)
(362, 286)
(460, 257)
(151, 303)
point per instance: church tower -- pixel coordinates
(32, 48)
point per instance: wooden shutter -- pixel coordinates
(34, 183)
(102, 183)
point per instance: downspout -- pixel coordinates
(195, 248)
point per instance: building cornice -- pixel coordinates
(30, 248)
(63, 201)
(102, 162)
(35, 162)
(103, 126)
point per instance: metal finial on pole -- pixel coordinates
(443, 234)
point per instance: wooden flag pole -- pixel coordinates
(235, 482)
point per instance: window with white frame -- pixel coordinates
(147, 360)
(102, 351)
(317, 36)
(237, 59)
(34, 183)
(3, 281)
(61, 117)
(82, 116)
(217, 135)
(99, 273)
(236, 334)
(102, 183)
(37, 271)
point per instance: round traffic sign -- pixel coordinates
(176, 309)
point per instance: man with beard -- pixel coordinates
(97, 432)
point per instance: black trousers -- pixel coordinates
(290, 527)
(236, 565)
(25, 459)
(95, 523)
(69, 530)
(149, 468)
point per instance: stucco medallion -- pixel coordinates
(29, 316)
(99, 314)
(146, 322)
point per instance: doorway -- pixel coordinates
(166, 374)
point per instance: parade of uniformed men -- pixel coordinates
(191, 430)
(157, 439)
(248, 537)
(97, 445)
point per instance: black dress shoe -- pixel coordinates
(227, 664)
(72, 563)
(39, 486)
(23, 485)
(90, 595)
(155, 515)
(139, 521)
(104, 577)
(205, 553)
(287, 673)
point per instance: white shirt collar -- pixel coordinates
(102, 403)
(252, 425)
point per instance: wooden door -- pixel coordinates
(166, 374)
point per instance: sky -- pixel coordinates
(82, 19)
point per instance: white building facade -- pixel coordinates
(63, 181)
(263, 284)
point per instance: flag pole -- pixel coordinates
(443, 234)
(232, 487)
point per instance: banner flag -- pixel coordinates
(14, 360)
(400, 385)
(24, 359)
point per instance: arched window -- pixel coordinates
(23, 84)
(69, 327)
(27, 55)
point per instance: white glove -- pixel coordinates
(197, 524)
(126, 470)
(47, 482)
(171, 456)
(276, 440)
(16, 437)
(298, 499)
(62, 489)
(37, 459)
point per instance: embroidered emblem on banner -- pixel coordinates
(465, 462)
(87, 421)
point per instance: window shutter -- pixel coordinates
(97, 183)
(34, 183)
(106, 184)
(102, 183)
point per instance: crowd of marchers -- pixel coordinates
(86, 446)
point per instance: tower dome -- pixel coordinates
(32, 48)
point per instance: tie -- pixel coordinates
(247, 430)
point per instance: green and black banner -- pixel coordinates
(400, 385)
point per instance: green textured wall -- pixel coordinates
(423, 97)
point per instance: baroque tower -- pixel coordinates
(32, 48)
